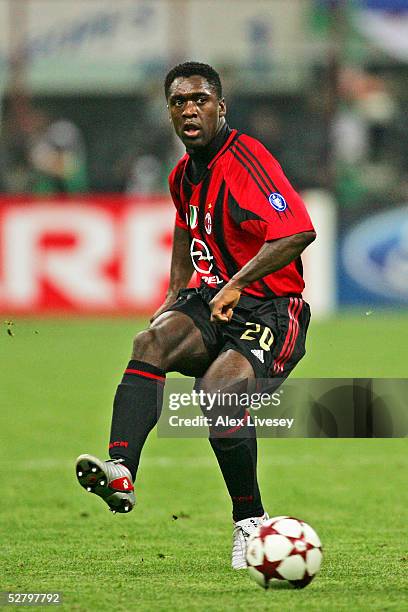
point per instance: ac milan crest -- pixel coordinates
(208, 223)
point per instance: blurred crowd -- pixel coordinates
(41, 154)
(356, 148)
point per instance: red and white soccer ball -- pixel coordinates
(284, 548)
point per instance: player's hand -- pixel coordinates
(222, 305)
(170, 299)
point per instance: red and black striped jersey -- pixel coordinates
(242, 200)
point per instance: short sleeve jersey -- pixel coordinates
(242, 201)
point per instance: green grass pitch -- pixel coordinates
(57, 380)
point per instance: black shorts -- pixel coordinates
(270, 333)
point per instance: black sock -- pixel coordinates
(136, 409)
(237, 458)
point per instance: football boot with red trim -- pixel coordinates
(242, 531)
(109, 479)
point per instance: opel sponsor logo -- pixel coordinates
(200, 252)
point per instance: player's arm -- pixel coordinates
(271, 257)
(181, 268)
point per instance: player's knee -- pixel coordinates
(149, 347)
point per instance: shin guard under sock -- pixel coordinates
(136, 409)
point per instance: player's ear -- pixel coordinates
(168, 112)
(222, 107)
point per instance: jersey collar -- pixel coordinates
(224, 147)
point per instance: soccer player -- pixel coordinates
(242, 227)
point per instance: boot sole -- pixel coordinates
(93, 478)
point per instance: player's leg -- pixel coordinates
(273, 342)
(235, 446)
(172, 343)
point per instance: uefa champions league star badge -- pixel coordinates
(277, 201)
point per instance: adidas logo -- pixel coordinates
(259, 354)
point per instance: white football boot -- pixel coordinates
(108, 479)
(242, 530)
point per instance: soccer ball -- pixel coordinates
(284, 548)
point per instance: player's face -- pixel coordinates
(195, 110)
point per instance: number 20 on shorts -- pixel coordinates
(266, 339)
